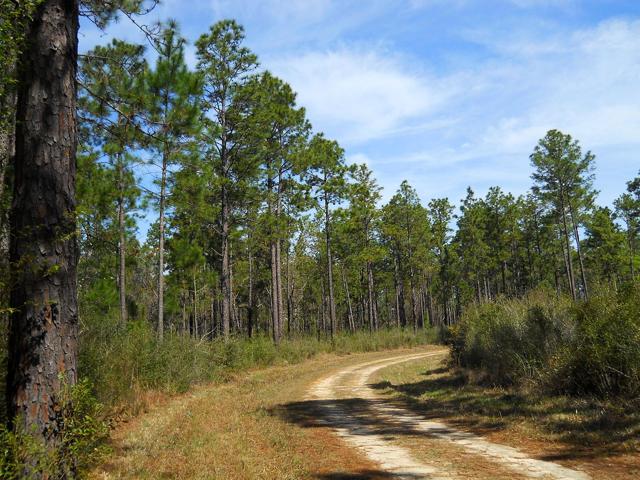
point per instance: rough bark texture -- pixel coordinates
(43, 251)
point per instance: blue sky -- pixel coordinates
(446, 93)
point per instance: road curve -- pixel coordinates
(369, 429)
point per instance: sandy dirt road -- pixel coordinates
(370, 423)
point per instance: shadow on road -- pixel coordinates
(585, 428)
(360, 475)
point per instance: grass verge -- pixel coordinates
(230, 431)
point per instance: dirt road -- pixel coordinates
(370, 424)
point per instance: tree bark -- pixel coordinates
(250, 297)
(122, 254)
(288, 287)
(373, 314)
(43, 245)
(332, 301)
(402, 318)
(163, 184)
(279, 280)
(275, 309)
(195, 306)
(579, 250)
(352, 325)
(570, 275)
(225, 277)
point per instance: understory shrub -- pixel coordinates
(590, 347)
(83, 432)
(604, 355)
(123, 360)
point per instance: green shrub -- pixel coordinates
(604, 355)
(512, 339)
(591, 347)
(82, 434)
(122, 361)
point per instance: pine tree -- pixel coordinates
(604, 246)
(325, 172)
(278, 130)
(173, 113)
(112, 104)
(225, 65)
(563, 181)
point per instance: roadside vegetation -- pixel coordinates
(165, 224)
(552, 343)
(600, 435)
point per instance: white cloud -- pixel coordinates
(589, 88)
(357, 96)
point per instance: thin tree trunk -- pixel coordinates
(289, 295)
(402, 318)
(570, 276)
(373, 317)
(195, 306)
(632, 259)
(279, 279)
(352, 325)
(579, 250)
(275, 312)
(324, 309)
(44, 250)
(225, 277)
(327, 232)
(122, 253)
(163, 185)
(184, 313)
(250, 297)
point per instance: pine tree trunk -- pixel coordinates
(163, 184)
(567, 245)
(373, 317)
(122, 254)
(402, 318)
(278, 263)
(250, 297)
(352, 325)
(289, 295)
(44, 250)
(632, 256)
(275, 310)
(195, 306)
(576, 235)
(225, 277)
(332, 302)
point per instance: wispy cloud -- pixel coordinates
(359, 95)
(448, 93)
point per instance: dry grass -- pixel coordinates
(228, 432)
(602, 438)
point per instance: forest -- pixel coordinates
(263, 242)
